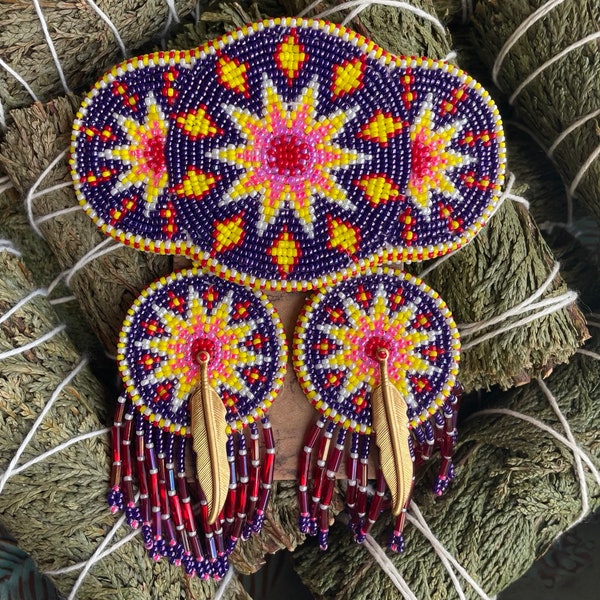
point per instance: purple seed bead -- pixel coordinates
(231, 544)
(133, 516)
(202, 568)
(115, 500)
(359, 535)
(304, 523)
(147, 537)
(323, 538)
(174, 553)
(397, 544)
(441, 485)
(247, 532)
(257, 524)
(189, 564)
(160, 548)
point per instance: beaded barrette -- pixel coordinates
(201, 361)
(289, 154)
(375, 355)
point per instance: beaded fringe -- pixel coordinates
(171, 508)
(437, 432)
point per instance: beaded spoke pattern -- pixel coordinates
(179, 316)
(338, 335)
(289, 154)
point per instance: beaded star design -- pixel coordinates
(340, 332)
(289, 154)
(178, 317)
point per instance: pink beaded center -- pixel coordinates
(425, 158)
(288, 154)
(202, 344)
(154, 154)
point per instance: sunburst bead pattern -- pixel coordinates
(339, 339)
(289, 154)
(181, 329)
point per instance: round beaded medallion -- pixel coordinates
(181, 315)
(340, 332)
(289, 154)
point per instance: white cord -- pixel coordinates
(59, 388)
(111, 26)
(38, 10)
(521, 30)
(586, 40)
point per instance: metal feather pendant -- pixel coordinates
(209, 435)
(392, 436)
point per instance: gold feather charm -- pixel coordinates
(209, 434)
(390, 423)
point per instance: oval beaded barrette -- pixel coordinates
(201, 361)
(289, 154)
(377, 356)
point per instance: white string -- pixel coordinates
(388, 567)
(93, 254)
(515, 310)
(570, 130)
(96, 252)
(556, 303)
(547, 306)
(38, 10)
(5, 186)
(2, 117)
(196, 12)
(589, 352)
(62, 300)
(585, 505)
(19, 78)
(59, 448)
(467, 10)
(78, 566)
(36, 424)
(95, 557)
(58, 213)
(31, 192)
(541, 425)
(582, 171)
(507, 194)
(435, 265)
(425, 530)
(52, 188)
(22, 302)
(173, 10)
(362, 4)
(7, 246)
(30, 345)
(593, 323)
(586, 40)
(420, 523)
(224, 585)
(516, 35)
(110, 24)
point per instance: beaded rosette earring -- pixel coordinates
(201, 361)
(375, 355)
(294, 154)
